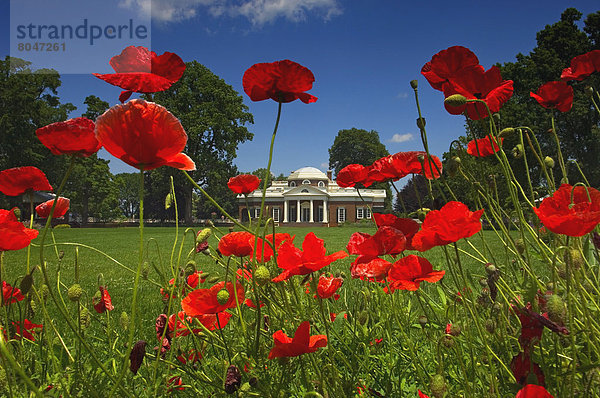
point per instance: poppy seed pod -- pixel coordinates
(421, 123)
(223, 296)
(549, 162)
(455, 100)
(414, 84)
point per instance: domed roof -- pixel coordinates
(309, 173)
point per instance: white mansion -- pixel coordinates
(310, 197)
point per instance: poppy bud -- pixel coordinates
(44, 292)
(455, 100)
(550, 131)
(26, 283)
(561, 271)
(423, 320)
(124, 320)
(588, 91)
(564, 180)
(556, 308)
(490, 326)
(549, 162)
(213, 279)
(84, 317)
(490, 268)
(61, 254)
(363, 317)
(262, 276)
(223, 296)
(136, 357)
(520, 245)
(17, 212)
(437, 386)
(452, 165)
(496, 117)
(203, 235)
(421, 123)
(74, 293)
(574, 259)
(245, 388)
(422, 212)
(343, 275)
(517, 151)
(483, 282)
(454, 330)
(231, 229)
(253, 382)
(233, 379)
(448, 341)
(414, 84)
(145, 270)
(507, 132)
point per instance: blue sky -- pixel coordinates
(363, 55)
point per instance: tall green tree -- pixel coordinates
(214, 116)
(358, 146)
(129, 193)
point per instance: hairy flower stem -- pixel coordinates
(561, 161)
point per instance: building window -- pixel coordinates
(341, 215)
(306, 182)
(320, 219)
(359, 213)
(293, 184)
(321, 184)
(368, 213)
(276, 214)
(256, 212)
(304, 191)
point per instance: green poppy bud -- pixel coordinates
(421, 123)
(262, 276)
(414, 84)
(44, 292)
(490, 326)
(363, 317)
(453, 165)
(507, 132)
(448, 341)
(74, 293)
(222, 296)
(124, 320)
(517, 151)
(574, 259)
(556, 308)
(84, 317)
(549, 162)
(17, 212)
(423, 320)
(456, 100)
(145, 270)
(437, 386)
(490, 268)
(203, 235)
(455, 330)
(520, 245)
(588, 91)
(26, 283)
(213, 279)
(422, 213)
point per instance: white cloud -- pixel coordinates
(258, 12)
(402, 95)
(398, 138)
(324, 166)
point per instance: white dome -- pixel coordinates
(308, 173)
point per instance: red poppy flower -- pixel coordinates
(405, 163)
(13, 234)
(408, 272)
(522, 366)
(555, 95)
(282, 81)
(15, 181)
(328, 286)
(576, 218)
(240, 244)
(474, 83)
(333, 315)
(62, 206)
(447, 63)
(421, 395)
(369, 268)
(26, 329)
(451, 223)
(10, 294)
(175, 383)
(532, 326)
(204, 301)
(302, 262)
(142, 71)
(484, 147)
(301, 343)
(387, 240)
(182, 325)
(351, 175)
(243, 183)
(533, 391)
(104, 302)
(144, 135)
(407, 226)
(266, 245)
(192, 356)
(74, 136)
(582, 66)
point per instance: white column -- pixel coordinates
(298, 210)
(285, 210)
(312, 218)
(325, 211)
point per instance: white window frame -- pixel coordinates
(321, 184)
(256, 212)
(305, 182)
(320, 214)
(341, 215)
(276, 213)
(292, 183)
(360, 213)
(368, 214)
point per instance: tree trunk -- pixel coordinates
(187, 213)
(85, 210)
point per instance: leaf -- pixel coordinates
(168, 200)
